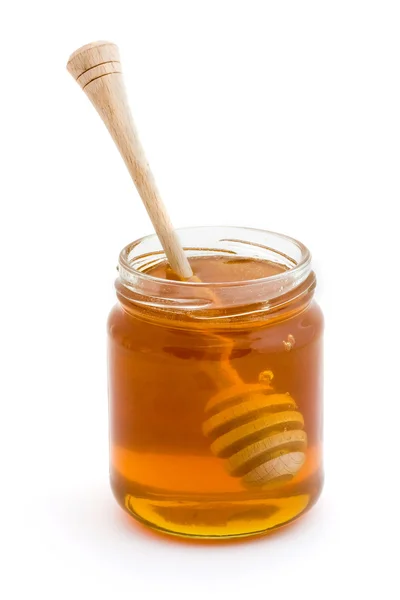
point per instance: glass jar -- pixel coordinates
(215, 389)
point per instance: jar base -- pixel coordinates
(217, 520)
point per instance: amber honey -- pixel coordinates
(216, 387)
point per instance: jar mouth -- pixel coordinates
(130, 261)
(140, 287)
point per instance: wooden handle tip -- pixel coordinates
(92, 55)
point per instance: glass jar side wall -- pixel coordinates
(163, 470)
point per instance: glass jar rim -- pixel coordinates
(205, 299)
(301, 265)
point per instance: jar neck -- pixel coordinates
(276, 296)
(281, 308)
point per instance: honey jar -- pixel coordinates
(215, 384)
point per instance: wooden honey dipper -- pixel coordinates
(259, 432)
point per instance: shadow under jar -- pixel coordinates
(215, 385)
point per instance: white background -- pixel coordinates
(280, 115)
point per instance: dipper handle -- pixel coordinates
(97, 69)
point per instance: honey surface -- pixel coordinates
(219, 269)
